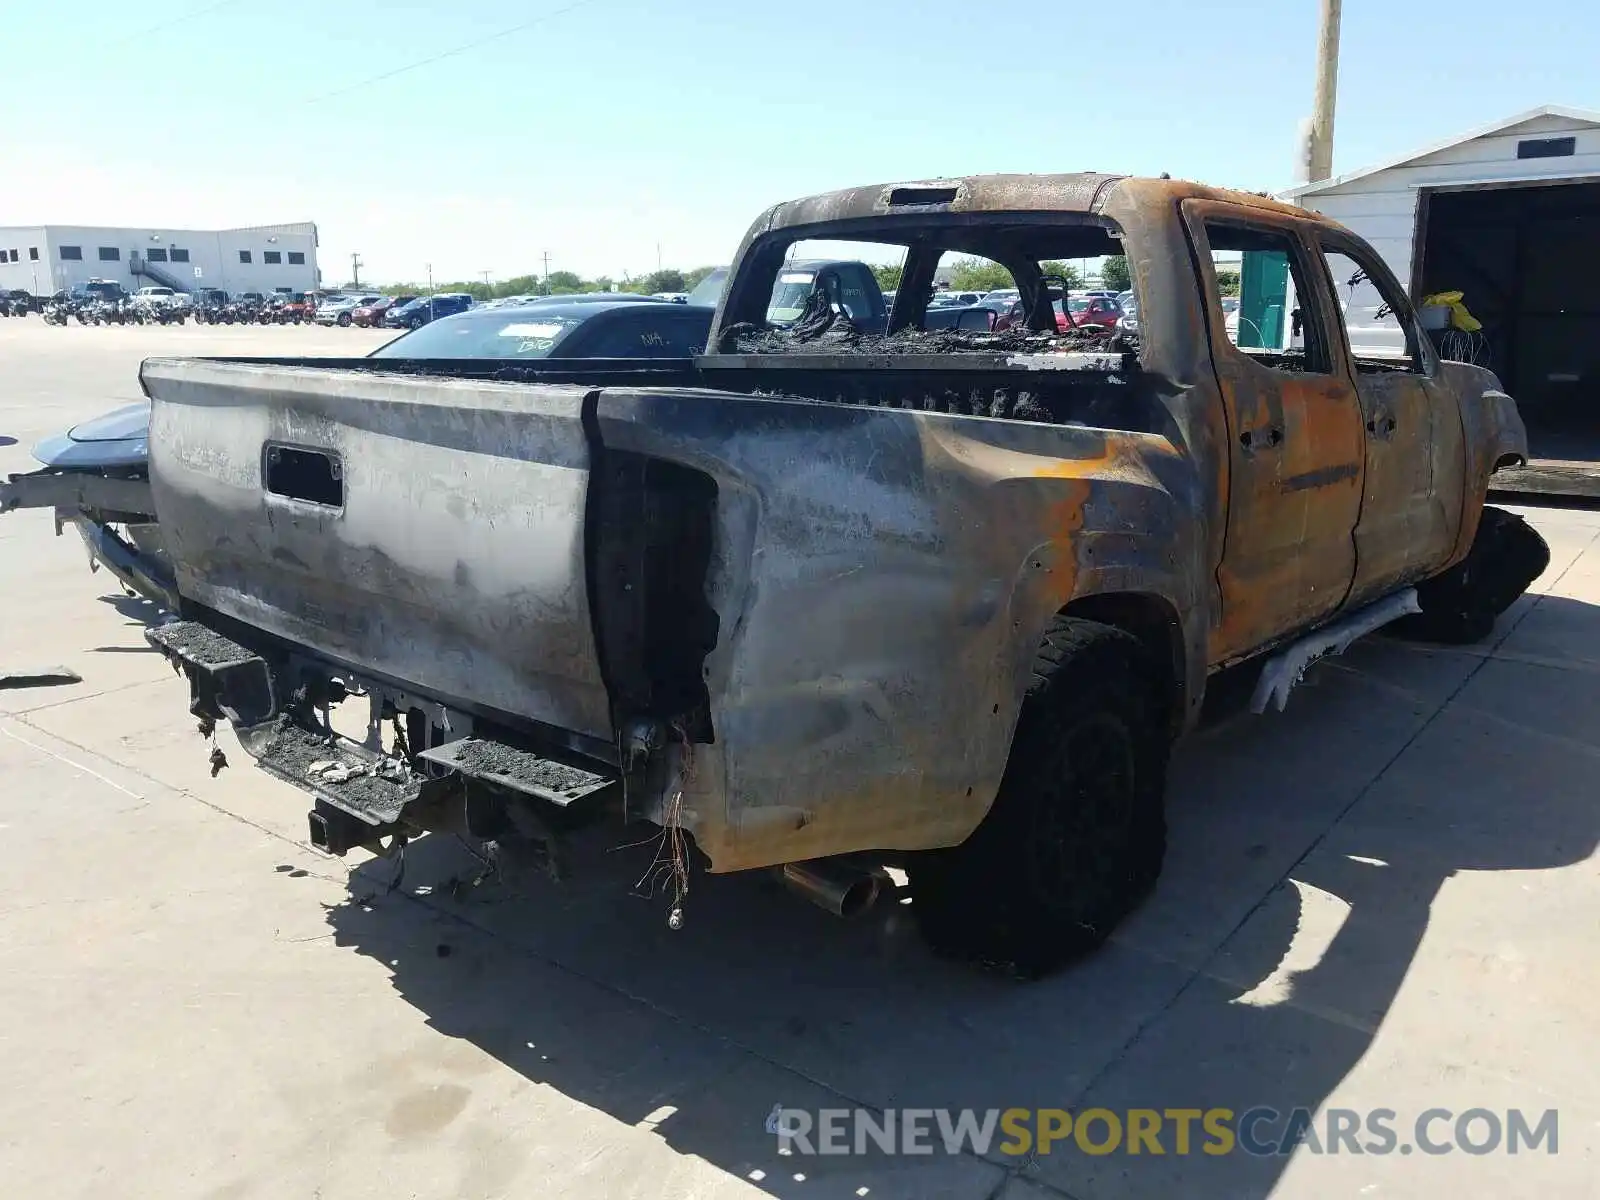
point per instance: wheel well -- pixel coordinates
(1508, 460)
(1155, 623)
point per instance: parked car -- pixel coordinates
(575, 328)
(340, 310)
(100, 289)
(156, 297)
(850, 283)
(1093, 309)
(1230, 316)
(95, 477)
(818, 602)
(297, 308)
(573, 298)
(1015, 312)
(414, 314)
(371, 315)
(16, 302)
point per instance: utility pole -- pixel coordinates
(485, 275)
(1320, 154)
(547, 272)
(658, 258)
(430, 277)
(355, 269)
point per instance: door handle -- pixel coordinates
(1254, 439)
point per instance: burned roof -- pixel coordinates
(1084, 191)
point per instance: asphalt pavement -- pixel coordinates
(1384, 898)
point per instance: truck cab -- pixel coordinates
(100, 289)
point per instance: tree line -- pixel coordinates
(968, 275)
(562, 283)
(982, 275)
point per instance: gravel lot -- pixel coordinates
(1385, 897)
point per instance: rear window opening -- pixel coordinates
(989, 283)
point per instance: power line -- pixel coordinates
(443, 54)
(178, 20)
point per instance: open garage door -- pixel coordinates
(1527, 258)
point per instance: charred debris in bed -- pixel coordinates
(825, 327)
(1087, 376)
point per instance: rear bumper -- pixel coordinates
(450, 772)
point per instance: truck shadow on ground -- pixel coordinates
(1308, 852)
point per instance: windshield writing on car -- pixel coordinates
(487, 335)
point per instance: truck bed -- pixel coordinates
(775, 573)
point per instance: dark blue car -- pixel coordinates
(590, 328)
(414, 314)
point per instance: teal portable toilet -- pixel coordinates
(1263, 296)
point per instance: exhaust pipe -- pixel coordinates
(841, 890)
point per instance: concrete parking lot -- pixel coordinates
(1384, 898)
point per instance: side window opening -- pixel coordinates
(1264, 298)
(1377, 319)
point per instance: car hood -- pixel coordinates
(120, 438)
(118, 425)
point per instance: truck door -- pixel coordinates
(1415, 450)
(1296, 445)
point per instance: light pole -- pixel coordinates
(1320, 152)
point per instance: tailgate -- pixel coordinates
(427, 530)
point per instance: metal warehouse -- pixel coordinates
(1508, 215)
(262, 258)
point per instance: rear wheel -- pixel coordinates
(1076, 834)
(1460, 606)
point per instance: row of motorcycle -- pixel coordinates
(62, 310)
(100, 310)
(252, 312)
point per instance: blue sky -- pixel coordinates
(617, 125)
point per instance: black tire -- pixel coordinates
(416, 323)
(1459, 607)
(344, 320)
(1077, 832)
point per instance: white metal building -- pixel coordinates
(266, 258)
(1509, 215)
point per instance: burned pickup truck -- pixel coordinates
(829, 597)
